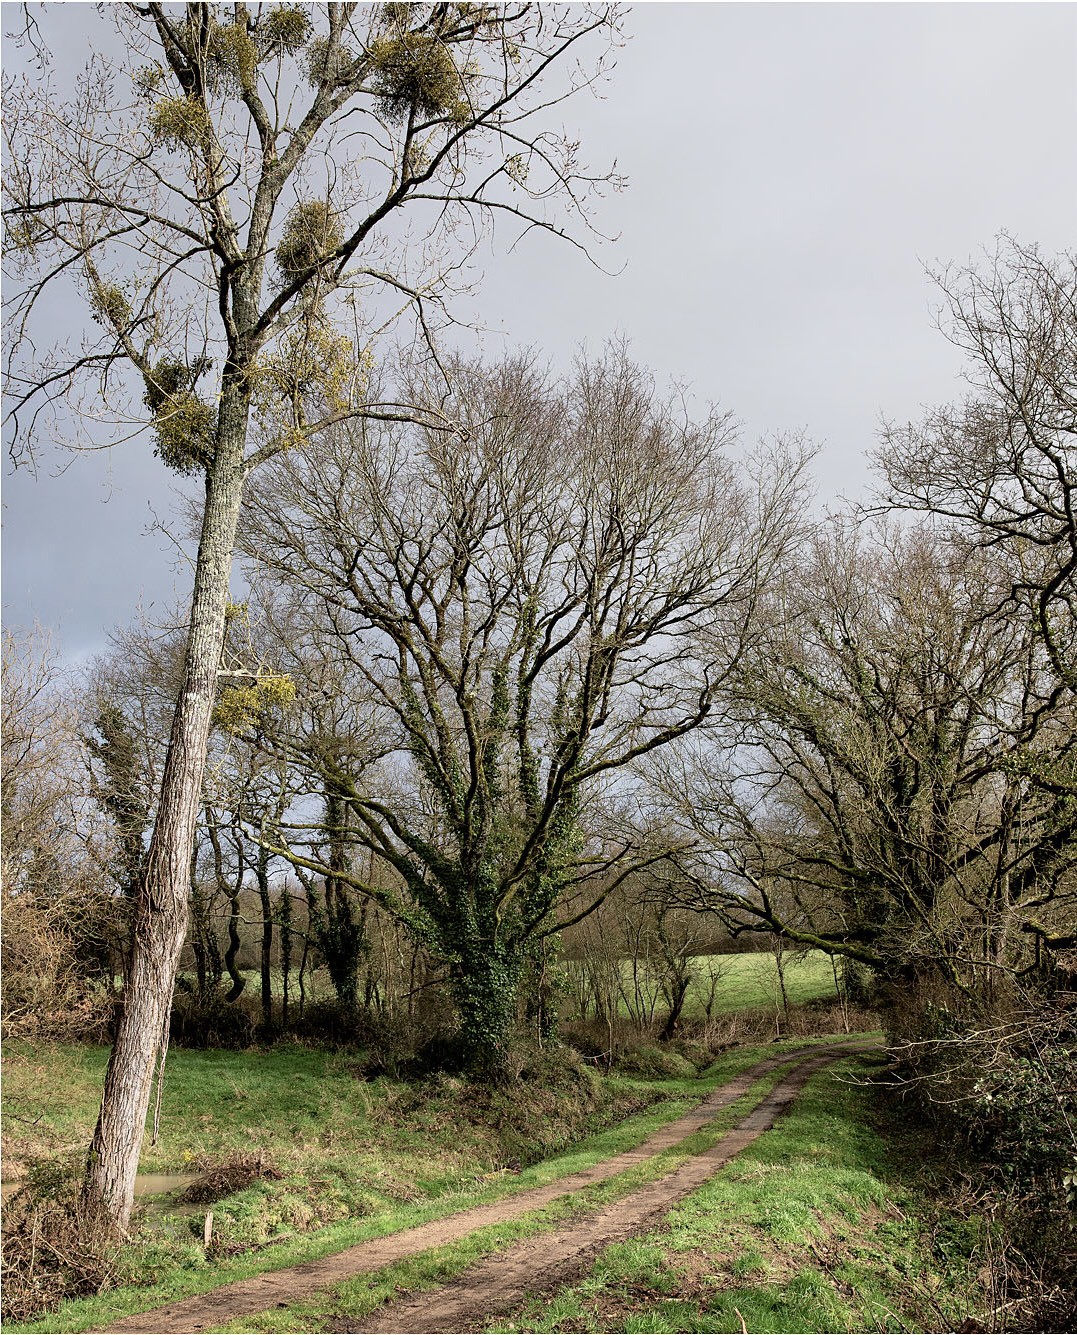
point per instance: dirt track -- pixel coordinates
(538, 1264)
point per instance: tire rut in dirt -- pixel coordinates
(209, 1311)
(541, 1264)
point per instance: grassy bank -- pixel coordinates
(300, 1105)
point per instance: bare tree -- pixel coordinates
(1002, 465)
(37, 725)
(889, 798)
(525, 608)
(58, 917)
(205, 196)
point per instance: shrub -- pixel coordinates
(52, 1249)
(209, 1023)
(997, 1076)
(329, 1022)
(228, 1176)
(655, 1062)
(48, 991)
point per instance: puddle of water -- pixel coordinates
(147, 1185)
(157, 1184)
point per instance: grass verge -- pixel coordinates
(818, 1226)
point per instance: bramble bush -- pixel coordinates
(997, 1076)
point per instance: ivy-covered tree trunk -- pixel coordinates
(162, 908)
(485, 988)
(121, 793)
(338, 932)
(207, 954)
(541, 990)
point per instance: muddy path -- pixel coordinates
(538, 1264)
(547, 1262)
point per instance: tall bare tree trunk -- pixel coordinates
(266, 962)
(285, 911)
(162, 909)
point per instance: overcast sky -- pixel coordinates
(792, 169)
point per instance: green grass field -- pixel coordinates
(721, 984)
(741, 982)
(745, 981)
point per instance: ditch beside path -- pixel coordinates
(541, 1262)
